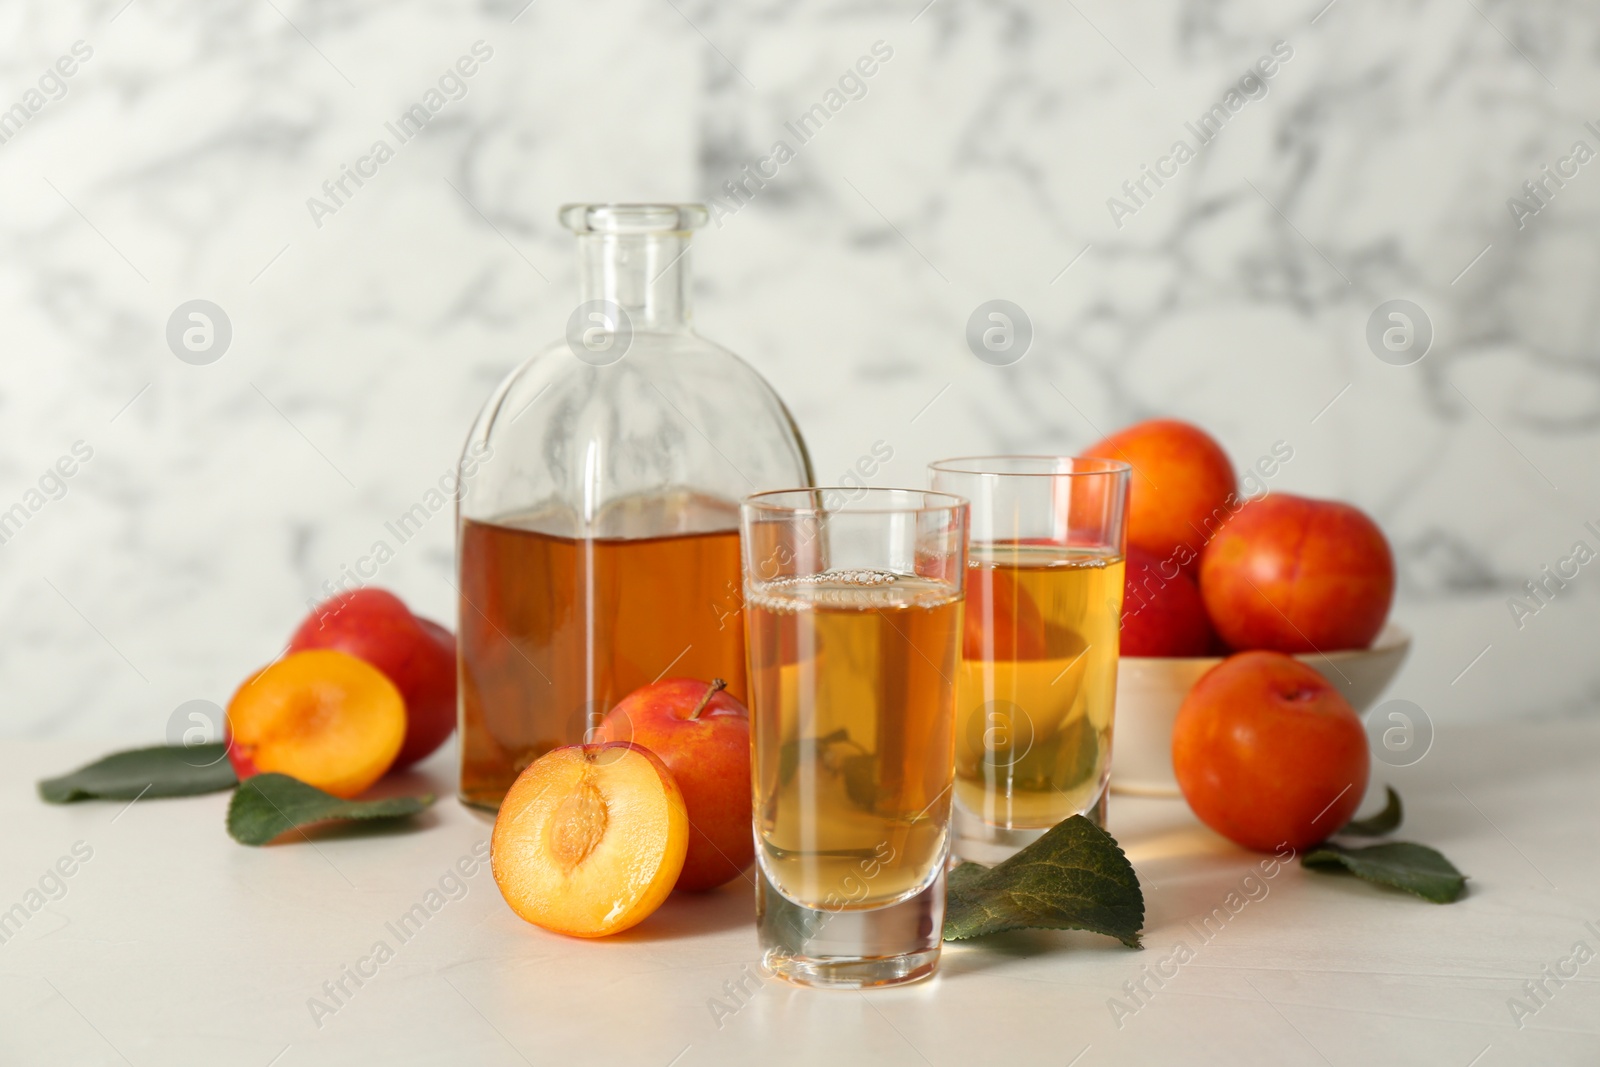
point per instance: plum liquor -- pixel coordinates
(1037, 683)
(852, 711)
(556, 630)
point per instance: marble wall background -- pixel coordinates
(178, 159)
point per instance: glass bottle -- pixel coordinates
(598, 509)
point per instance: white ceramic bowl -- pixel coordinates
(1150, 690)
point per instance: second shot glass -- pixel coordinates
(853, 619)
(1036, 688)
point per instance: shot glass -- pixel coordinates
(1036, 688)
(853, 624)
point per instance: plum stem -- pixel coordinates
(717, 685)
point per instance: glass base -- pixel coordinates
(977, 840)
(841, 949)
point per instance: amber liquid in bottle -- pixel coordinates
(555, 630)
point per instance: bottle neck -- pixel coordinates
(646, 274)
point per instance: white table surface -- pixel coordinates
(173, 945)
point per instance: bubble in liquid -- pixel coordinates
(859, 576)
(857, 588)
(850, 588)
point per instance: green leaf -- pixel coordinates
(1415, 868)
(1060, 761)
(961, 878)
(267, 805)
(162, 771)
(861, 780)
(1080, 745)
(793, 750)
(1386, 821)
(1075, 877)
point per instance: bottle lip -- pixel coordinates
(632, 218)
